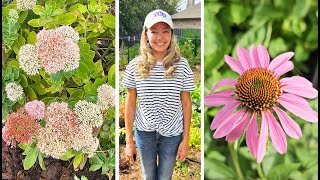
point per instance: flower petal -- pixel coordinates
(234, 64)
(254, 57)
(224, 113)
(263, 138)
(244, 58)
(227, 126)
(299, 86)
(217, 99)
(295, 80)
(277, 135)
(298, 106)
(279, 60)
(237, 131)
(284, 68)
(252, 136)
(290, 126)
(224, 82)
(264, 57)
(304, 91)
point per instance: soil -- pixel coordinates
(192, 170)
(12, 168)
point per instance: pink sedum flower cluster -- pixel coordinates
(257, 94)
(35, 109)
(19, 128)
(57, 51)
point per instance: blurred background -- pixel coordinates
(281, 26)
(186, 16)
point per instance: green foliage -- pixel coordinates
(190, 52)
(92, 20)
(132, 16)
(195, 137)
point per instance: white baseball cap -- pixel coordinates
(157, 16)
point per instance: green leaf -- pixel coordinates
(46, 100)
(95, 167)
(30, 92)
(14, 63)
(282, 171)
(5, 11)
(89, 89)
(9, 32)
(78, 94)
(30, 159)
(109, 20)
(22, 16)
(39, 89)
(111, 75)
(67, 155)
(91, 97)
(35, 23)
(27, 149)
(99, 81)
(38, 9)
(221, 170)
(80, 7)
(32, 37)
(41, 162)
(67, 18)
(84, 178)
(78, 159)
(24, 81)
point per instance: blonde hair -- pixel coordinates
(146, 59)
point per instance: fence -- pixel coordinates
(130, 43)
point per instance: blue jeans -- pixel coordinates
(151, 145)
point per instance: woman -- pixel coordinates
(161, 80)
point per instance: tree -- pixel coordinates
(133, 12)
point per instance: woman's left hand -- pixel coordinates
(182, 150)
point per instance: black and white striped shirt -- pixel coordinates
(159, 105)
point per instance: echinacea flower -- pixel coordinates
(259, 92)
(14, 91)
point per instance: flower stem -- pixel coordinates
(235, 160)
(260, 172)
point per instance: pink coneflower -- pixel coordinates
(259, 92)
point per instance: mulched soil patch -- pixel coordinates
(12, 168)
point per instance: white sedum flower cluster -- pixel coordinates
(106, 97)
(84, 141)
(69, 32)
(89, 113)
(13, 16)
(24, 5)
(14, 91)
(28, 59)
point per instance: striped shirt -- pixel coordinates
(159, 104)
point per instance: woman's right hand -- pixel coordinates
(131, 152)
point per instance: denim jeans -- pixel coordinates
(151, 145)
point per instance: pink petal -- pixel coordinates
(224, 82)
(284, 68)
(263, 138)
(217, 99)
(237, 131)
(300, 90)
(224, 113)
(290, 126)
(254, 57)
(264, 57)
(277, 135)
(279, 60)
(234, 64)
(295, 80)
(244, 58)
(252, 136)
(298, 106)
(227, 126)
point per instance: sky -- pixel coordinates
(184, 3)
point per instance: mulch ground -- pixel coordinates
(12, 168)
